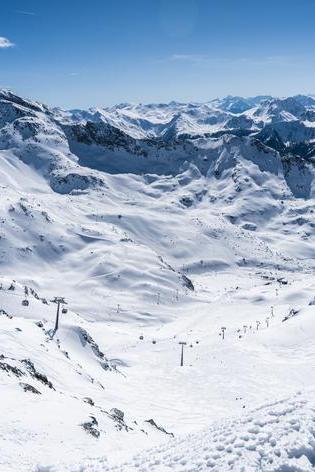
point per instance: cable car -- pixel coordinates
(25, 302)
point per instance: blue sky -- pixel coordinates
(79, 53)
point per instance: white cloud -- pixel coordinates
(5, 43)
(24, 12)
(228, 62)
(189, 57)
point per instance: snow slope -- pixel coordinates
(158, 224)
(277, 437)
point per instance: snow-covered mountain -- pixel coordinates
(158, 224)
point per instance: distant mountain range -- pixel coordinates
(160, 138)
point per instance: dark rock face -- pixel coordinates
(187, 282)
(73, 181)
(117, 414)
(187, 201)
(99, 133)
(89, 401)
(160, 428)
(37, 375)
(291, 314)
(91, 427)
(86, 339)
(29, 388)
(9, 369)
(118, 417)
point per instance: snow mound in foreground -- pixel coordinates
(279, 437)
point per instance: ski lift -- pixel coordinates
(25, 302)
(64, 311)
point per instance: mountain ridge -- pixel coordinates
(137, 143)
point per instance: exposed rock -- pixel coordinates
(117, 414)
(29, 388)
(187, 201)
(37, 375)
(282, 281)
(187, 282)
(88, 400)
(291, 314)
(160, 428)
(86, 338)
(11, 369)
(91, 427)
(4, 313)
